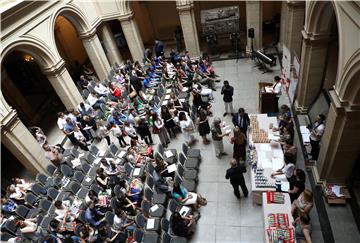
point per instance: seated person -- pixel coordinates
(94, 216)
(8, 206)
(182, 226)
(122, 221)
(28, 227)
(101, 89)
(94, 100)
(181, 195)
(15, 193)
(110, 167)
(303, 229)
(22, 184)
(135, 191)
(86, 109)
(62, 211)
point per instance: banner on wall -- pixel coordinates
(295, 72)
(286, 68)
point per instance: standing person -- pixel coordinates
(177, 37)
(117, 132)
(69, 130)
(142, 129)
(159, 48)
(168, 121)
(217, 137)
(187, 128)
(241, 120)
(239, 141)
(235, 174)
(103, 132)
(316, 133)
(276, 89)
(160, 130)
(203, 125)
(228, 91)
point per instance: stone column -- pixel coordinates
(132, 36)
(295, 24)
(313, 60)
(64, 86)
(19, 141)
(113, 53)
(96, 55)
(283, 24)
(188, 25)
(254, 20)
(340, 143)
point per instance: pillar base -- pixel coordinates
(315, 173)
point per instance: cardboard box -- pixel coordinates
(339, 200)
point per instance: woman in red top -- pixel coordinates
(115, 91)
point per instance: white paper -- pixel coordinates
(136, 172)
(303, 129)
(277, 163)
(277, 153)
(167, 97)
(261, 156)
(87, 128)
(272, 137)
(336, 190)
(285, 186)
(268, 89)
(168, 153)
(266, 163)
(150, 223)
(184, 210)
(75, 162)
(182, 100)
(305, 138)
(121, 154)
(154, 208)
(265, 147)
(81, 155)
(87, 179)
(171, 168)
(165, 102)
(168, 91)
(281, 177)
(185, 89)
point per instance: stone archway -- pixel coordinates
(51, 66)
(319, 33)
(87, 34)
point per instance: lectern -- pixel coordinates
(267, 101)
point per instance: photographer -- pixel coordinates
(316, 132)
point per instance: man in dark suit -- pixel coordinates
(241, 120)
(235, 174)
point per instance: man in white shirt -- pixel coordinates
(85, 110)
(276, 89)
(61, 121)
(316, 133)
(101, 89)
(94, 101)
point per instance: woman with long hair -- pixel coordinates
(239, 142)
(203, 125)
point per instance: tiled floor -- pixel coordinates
(225, 218)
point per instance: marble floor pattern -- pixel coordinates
(226, 218)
